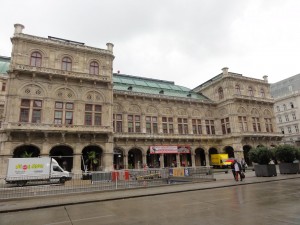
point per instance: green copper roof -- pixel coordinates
(152, 86)
(4, 64)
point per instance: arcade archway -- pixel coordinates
(91, 158)
(26, 151)
(229, 150)
(135, 159)
(200, 157)
(63, 155)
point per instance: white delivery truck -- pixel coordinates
(22, 170)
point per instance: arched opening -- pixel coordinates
(200, 157)
(63, 155)
(153, 160)
(246, 149)
(135, 159)
(118, 159)
(229, 150)
(26, 151)
(91, 156)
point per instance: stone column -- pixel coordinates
(190, 125)
(125, 161)
(207, 159)
(162, 160)
(144, 160)
(125, 123)
(193, 155)
(76, 163)
(178, 160)
(143, 123)
(159, 124)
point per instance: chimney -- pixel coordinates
(225, 71)
(110, 47)
(265, 78)
(18, 28)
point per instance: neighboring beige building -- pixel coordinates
(287, 101)
(64, 101)
(4, 64)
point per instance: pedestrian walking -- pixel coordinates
(244, 165)
(238, 170)
(232, 169)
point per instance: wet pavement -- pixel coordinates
(222, 180)
(255, 201)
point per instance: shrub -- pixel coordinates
(286, 153)
(260, 155)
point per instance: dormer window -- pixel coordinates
(66, 64)
(237, 89)
(262, 93)
(36, 59)
(161, 92)
(94, 68)
(250, 91)
(221, 94)
(129, 88)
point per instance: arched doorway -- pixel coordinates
(91, 158)
(135, 159)
(26, 151)
(246, 149)
(63, 155)
(229, 150)
(118, 159)
(200, 157)
(153, 160)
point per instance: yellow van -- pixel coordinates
(220, 161)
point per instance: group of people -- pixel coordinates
(238, 169)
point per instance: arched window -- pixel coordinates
(292, 105)
(36, 59)
(220, 92)
(262, 92)
(66, 64)
(94, 68)
(250, 91)
(284, 107)
(237, 89)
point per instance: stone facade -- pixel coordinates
(287, 101)
(64, 101)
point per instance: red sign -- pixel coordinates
(169, 149)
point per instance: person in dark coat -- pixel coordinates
(238, 170)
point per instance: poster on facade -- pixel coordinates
(169, 149)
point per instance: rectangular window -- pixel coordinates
(225, 126)
(296, 128)
(210, 127)
(134, 124)
(93, 115)
(197, 127)
(117, 123)
(287, 118)
(289, 130)
(282, 130)
(151, 124)
(3, 86)
(243, 125)
(294, 116)
(182, 126)
(31, 109)
(279, 119)
(63, 113)
(256, 124)
(167, 124)
(269, 126)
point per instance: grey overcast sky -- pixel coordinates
(185, 41)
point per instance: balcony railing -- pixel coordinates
(54, 127)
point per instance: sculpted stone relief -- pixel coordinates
(151, 109)
(134, 109)
(242, 110)
(254, 112)
(65, 93)
(182, 112)
(196, 113)
(166, 111)
(94, 96)
(32, 90)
